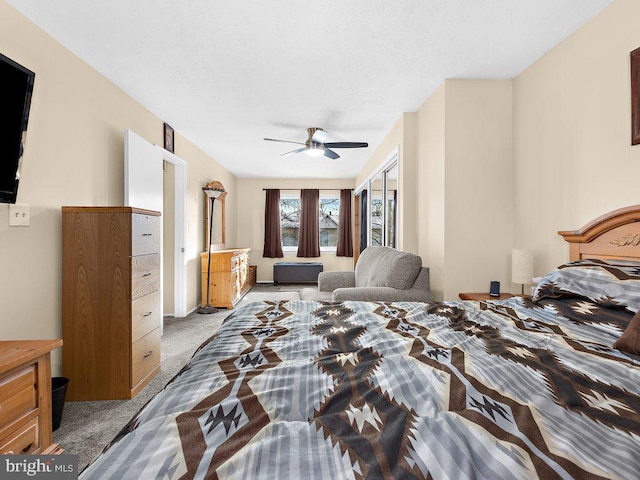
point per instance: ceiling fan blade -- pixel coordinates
(319, 136)
(331, 154)
(294, 151)
(283, 141)
(347, 144)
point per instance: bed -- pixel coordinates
(522, 388)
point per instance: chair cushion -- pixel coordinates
(387, 267)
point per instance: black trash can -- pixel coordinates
(58, 391)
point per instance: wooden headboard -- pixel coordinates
(613, 235)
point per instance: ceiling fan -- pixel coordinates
(316, 146)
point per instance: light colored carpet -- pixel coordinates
(87, 427)
(271, 296)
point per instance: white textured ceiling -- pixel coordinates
(227, 73)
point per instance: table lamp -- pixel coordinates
(521, 266)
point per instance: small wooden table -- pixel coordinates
(484, 296)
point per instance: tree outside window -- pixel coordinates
(328, 218)
(290, 221)
(376, 222)
(329, 212)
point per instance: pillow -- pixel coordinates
(610, 283)
(630, 339)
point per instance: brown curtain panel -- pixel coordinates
(345, 228)
(272, 233)
(309, 234)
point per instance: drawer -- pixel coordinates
(235, 262)
(145, 356)
(235, 285)
(18, 395)
(24, 441)
(145, 234)
(145, 275)
(145, 315)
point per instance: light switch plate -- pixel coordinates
(19, 215)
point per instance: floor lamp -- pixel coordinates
(212, 194)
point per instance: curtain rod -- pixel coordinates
(296, 189)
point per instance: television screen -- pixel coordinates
(16, 87)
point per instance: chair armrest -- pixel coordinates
(381, 294)
(329, 281)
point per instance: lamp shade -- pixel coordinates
(521, 266)
(212, 192)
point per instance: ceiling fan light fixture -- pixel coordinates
(315, 150)
(317, 146)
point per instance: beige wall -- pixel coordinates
(456, 170)
(251, 201)
(505, 164)
(403, 138)
(200, 170)
(168, 239)
(478, 187)
(431, 194)
(408, 208)
(573, 158)
(74, 156)
(392, 140)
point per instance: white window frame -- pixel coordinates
(289, 196)
(330, 194)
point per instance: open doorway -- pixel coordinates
(169, 243)
(145, 187)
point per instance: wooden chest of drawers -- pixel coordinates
(229, 279)
(111, 305)
(25, 396)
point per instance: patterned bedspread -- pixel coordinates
(453, 390)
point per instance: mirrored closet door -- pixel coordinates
(377, 208)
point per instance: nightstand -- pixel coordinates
(484, 296)
(25, 397)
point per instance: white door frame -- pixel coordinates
(180, 229)
(389, 162)
(180, 207)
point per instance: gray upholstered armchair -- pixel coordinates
(382, 274)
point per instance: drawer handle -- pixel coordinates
(147, 234)
(27, 448)
(146, 274)
(146, 314)
(148, 354)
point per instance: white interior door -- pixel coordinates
(143, 188)
(142, 173)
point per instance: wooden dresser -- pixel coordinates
(25, 396)
(111, 305)
(230, 278)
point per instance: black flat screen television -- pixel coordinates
(16, 88)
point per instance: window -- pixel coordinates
(289, 221)
(379, 213)
(329, 212)
(328, 217)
